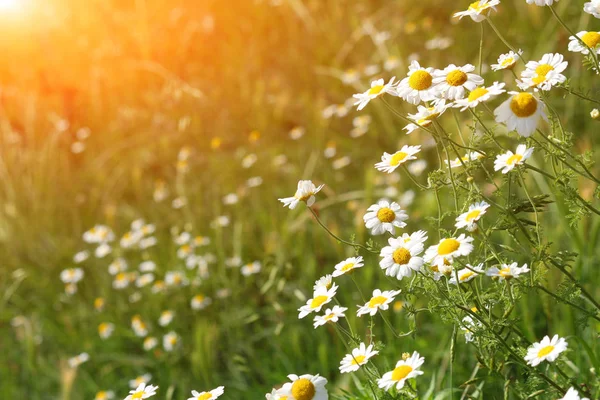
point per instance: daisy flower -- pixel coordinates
(466, 274)
(507, 271)
(200, 302)
(405, 369)
(105, 330)
(306, 192)
(468, 326)
(379, 301)
(166, 317)
(593, 8)
(213, 394)
(105, 395)
(277, 394)
(591, 39)
(453, 80)
(347, 265)
(418, 85)
(117, 266)
(573, 394)
(507, 60)
(545, 73)
(360, 356)
(331, 315)
(478, 10)
(71, 275)
(472, 156)
(306, 387)
(521, 113)
(426, 115)
(150, 343)
(321, 297)
(170, 341)
(415, 237)
(323, 282)
(378, 88)
(251, 268)
(142, 392)
(548, 349)
(541, 3)
(384, 217)
(507, 161)
(79, 359)
(99, 234)
(469, 218)
(400, 259)
(480, 95)
(389, 162)
(145, 378)
(449, 248)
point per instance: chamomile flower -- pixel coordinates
(469, 157)
(573, 394)
(359, 356)
(591, 39)
(145, 378)
(507, 271)
(479, 95)
(251, 268)
(521, 113)
(99, 234)
(479, 10)
(415, 237)
(468, 326)
(384, 217)
(401, 259)
(213, 394)
(139, 326)
(509, 160)
(320, 297)
(149, 343)
(546, 350)
(166, 317)
(379, 301)
(389, 162)
(79, 359)
(452, 81)
(176, 278)
(306, 192)
(71, 275)
(347, 265)
(170, 341)
(117, 266)
(323, 282)
(142, 392)
(448, 248)
(105, 395)
(144, 280)
(426, 115)
(277, 394)
(418, 85)
(466, 274)
(105, 330)
(593, 8)
(200, 302)
(81, 256)
(404, 370)
(378, 88)
(331, 315)
(541, 3)
(306, 387)
(507, 60)
(545, 73)
(470, 218)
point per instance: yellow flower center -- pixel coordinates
(456, 78)
(304, 197)
(420, 80)
(545, 351)
(401, 256)
(477, 6)
(505, 273)
(523, 105)
(329, 316)
(508, 62)
(401, 372)
(357, 360)
(466, 275)
(514, 159)
(592, 39)
(347, 267)
(375, 90)
(472, 215)
(377, 301)
(448, 246)
(303, 389)
(398, 158)
(318, 301)
(205, 396)
(386, 215)
(477, 93)
(173, 340)
(137, 395)
(101, 395)
(543, 69)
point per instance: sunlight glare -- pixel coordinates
(7, 5)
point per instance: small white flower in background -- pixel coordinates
(176, 278)
(148, 242)
(178, 202)
(321, 296)
(595, 114)
(249, 160)
(145, 378)
(415, 237)
(200, 302)
(160, 191)
(121, 281)
(234, 261)
(391, 63)
(418, 167)
(103, 250)
(426, 115)
(105, 330)
(83, 133)
(541, 3)
(372, 69)
(480, 95)
(118, 265)
(479, 10)
(545, 73)
(142, 392)
(573, 394)
(466, 274)
(306, 192)
(139, 327)
(359, 356)
(105, 395)
(448, 248)
(507, 60)
(213, 394)
(255, 181)
(379, 301)
(221, 221)
(70, 288)
(384, 217)
(341, 162)
(147, 266)
(79, 359)
(150, 342)
(378, 88)
(591, 39)
(389, 162)
(251, 268)
(592, 8)
(71, 275)
(401, 259)
(439, 43)
(77, 147)
(231, 199)
(546, 350)
(306, 387)
(297, 132)
(521, 113)
(323, 282)
(468, 326)
(130, 239)
(81, 256)
(452, 81)
(418, 85)
(330, 150)
(347, 265)
(350, 76)
(166, 317)
(470, 218)
(472, 156)
(182, 238)
(509, 160)
(330, 315)
(99, 234)
(405, 369)
(170, 341)
(507, 271)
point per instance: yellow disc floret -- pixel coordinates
(401, 372)
(591, 39)
(456, 78)
(420, 80)
(448, 246)
(401, 256)
(523, 105)
(303, 389)
(477, 93)
(386, 215)
(545, 351)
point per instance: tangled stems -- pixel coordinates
(355, 245)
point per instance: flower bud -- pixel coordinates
(595, 114)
